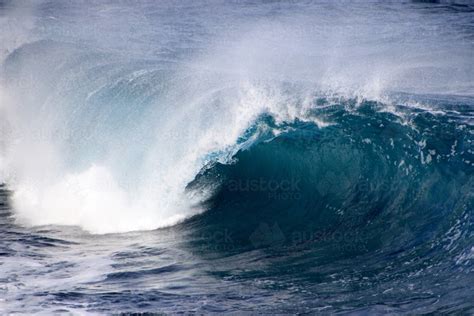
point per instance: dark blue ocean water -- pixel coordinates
(253, 157)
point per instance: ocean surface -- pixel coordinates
(276, 157)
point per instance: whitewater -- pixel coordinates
(213, 156)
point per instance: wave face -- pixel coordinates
(307, 154)
(401, 175)
(378, 204)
